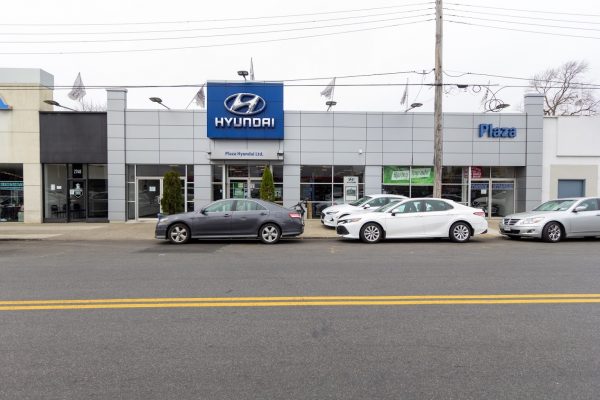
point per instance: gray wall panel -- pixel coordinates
(142, 132)
(508, 159)
(397, 134)
(374, 146)
(140, 117)
(347, 133)
(316, 119)
(422, 146)
(176, 145)
(142, 144)
(176, 132)
(458, 135)
(291, 145)
(176, 117)
(513, 121)
(200, 118)
(374, 158)
(422, 120)
(374, 120)
(349, 146)
(458, 147)
(291, 157)
(317, 159)
(488, 146)
(142, 157)
(317, 133)
(348, 159)
(291, 118)
(317, 146)
(374, 133)
(397, 158)
(422, 133)
(486, 159)
(397, 146)
(452, 120)
(176, 157)
(507, 147)
(292, 132)
(458, 159)
(347, 119)
(397, 120)
(423, 159)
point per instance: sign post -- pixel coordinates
(350, 188)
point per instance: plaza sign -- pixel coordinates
(488, 130)
(245, 110)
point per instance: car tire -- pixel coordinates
(371, 233)
(179, 233)
(460, 232)
(269, 233)
(552, 232)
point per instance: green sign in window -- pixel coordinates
(396, 175)
(11, 185)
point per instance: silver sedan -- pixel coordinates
(556, 220)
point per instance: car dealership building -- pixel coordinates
(81, 166)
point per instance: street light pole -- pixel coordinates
(437, 112)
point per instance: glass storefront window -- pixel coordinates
(277, 173)
(315, 174)
(237, 171)
(159, 170)
(457, 193)
(503, 172)
(11, 192)
(403, 190)
(256, 171)
(421, 191)
(55, 191)
(455, 174)
(340, 171)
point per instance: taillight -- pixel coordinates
(295, 215)
(479, 213)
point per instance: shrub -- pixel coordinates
(267, 188)
(172, 197)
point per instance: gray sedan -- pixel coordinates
(232, 218)
(556, 220)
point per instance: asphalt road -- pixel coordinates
(224, 320)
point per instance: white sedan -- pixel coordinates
(330, 215)
(415, 218)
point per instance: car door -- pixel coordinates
(214, 220)
(405, 220)
(586, 222)
(436, 215)
(247, 218)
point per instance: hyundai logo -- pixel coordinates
(245, 104)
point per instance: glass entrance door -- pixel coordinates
(480, 195)
(77, 200)
(254, 192)
(148, 197)
(244, 188)
(503, 198)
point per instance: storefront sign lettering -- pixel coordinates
(488, 130)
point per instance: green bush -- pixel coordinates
(172, 199)
(267, 188)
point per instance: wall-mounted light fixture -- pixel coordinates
(243, 74)
(159, 101)
(57, 104)
(280, 154)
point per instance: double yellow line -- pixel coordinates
(305, 301)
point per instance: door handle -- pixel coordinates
(227, 215)
(263, 213)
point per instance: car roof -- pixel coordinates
(399, 196)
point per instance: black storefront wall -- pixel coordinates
(74, 155)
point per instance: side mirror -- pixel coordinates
(366, 206)
(580, 208)
(203, 211)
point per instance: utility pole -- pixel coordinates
(437, 110)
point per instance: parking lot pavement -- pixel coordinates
(136, 231)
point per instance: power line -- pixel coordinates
(525, 10)
(218, 35)
(210, 28)
(219, 20)
(536, 17)
(522, 23)
(523, 30)
(578, 84)
(215, 45)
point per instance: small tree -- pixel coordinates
(267, 188)
(172, 199)
(564, 94)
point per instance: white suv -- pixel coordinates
(330, 215)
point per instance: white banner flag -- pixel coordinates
(200, 97)
(78, 91)
(251, 69)
(328, 91)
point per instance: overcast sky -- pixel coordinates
(407, 47)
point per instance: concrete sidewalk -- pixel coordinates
(131, 231)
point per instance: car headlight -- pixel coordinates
(163, 219)
(532, 220)
(345, 221)
(331, 212)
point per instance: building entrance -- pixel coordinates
(495, 197)
(244, 188)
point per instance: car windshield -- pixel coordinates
(360, 201)
(555, 205)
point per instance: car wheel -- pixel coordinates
(460, 232)
(179, 234)
(270, 233)
(552, 232)
(371, 233)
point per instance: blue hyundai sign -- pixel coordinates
(3, 105)
(245, 110)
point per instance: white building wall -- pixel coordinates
(571, 151)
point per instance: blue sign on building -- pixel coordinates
(245, 110)
(488, 130)
(3, 105)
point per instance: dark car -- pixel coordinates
(232, 218)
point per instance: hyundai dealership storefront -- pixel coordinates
(492, 160)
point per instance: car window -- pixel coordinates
(360, 201)
(590, 204)
(248, 205)
(555, 205)
(408, 207)
(437, 205)
(220, 206)
(378, 202)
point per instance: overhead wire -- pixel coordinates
(245, 18)
(214, 45)
(535, 17)
(522, 30)
(311, 21)
(525, 10)
(522, 23)
(218, 35)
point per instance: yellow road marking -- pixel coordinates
(299, 298)
(312, 301)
